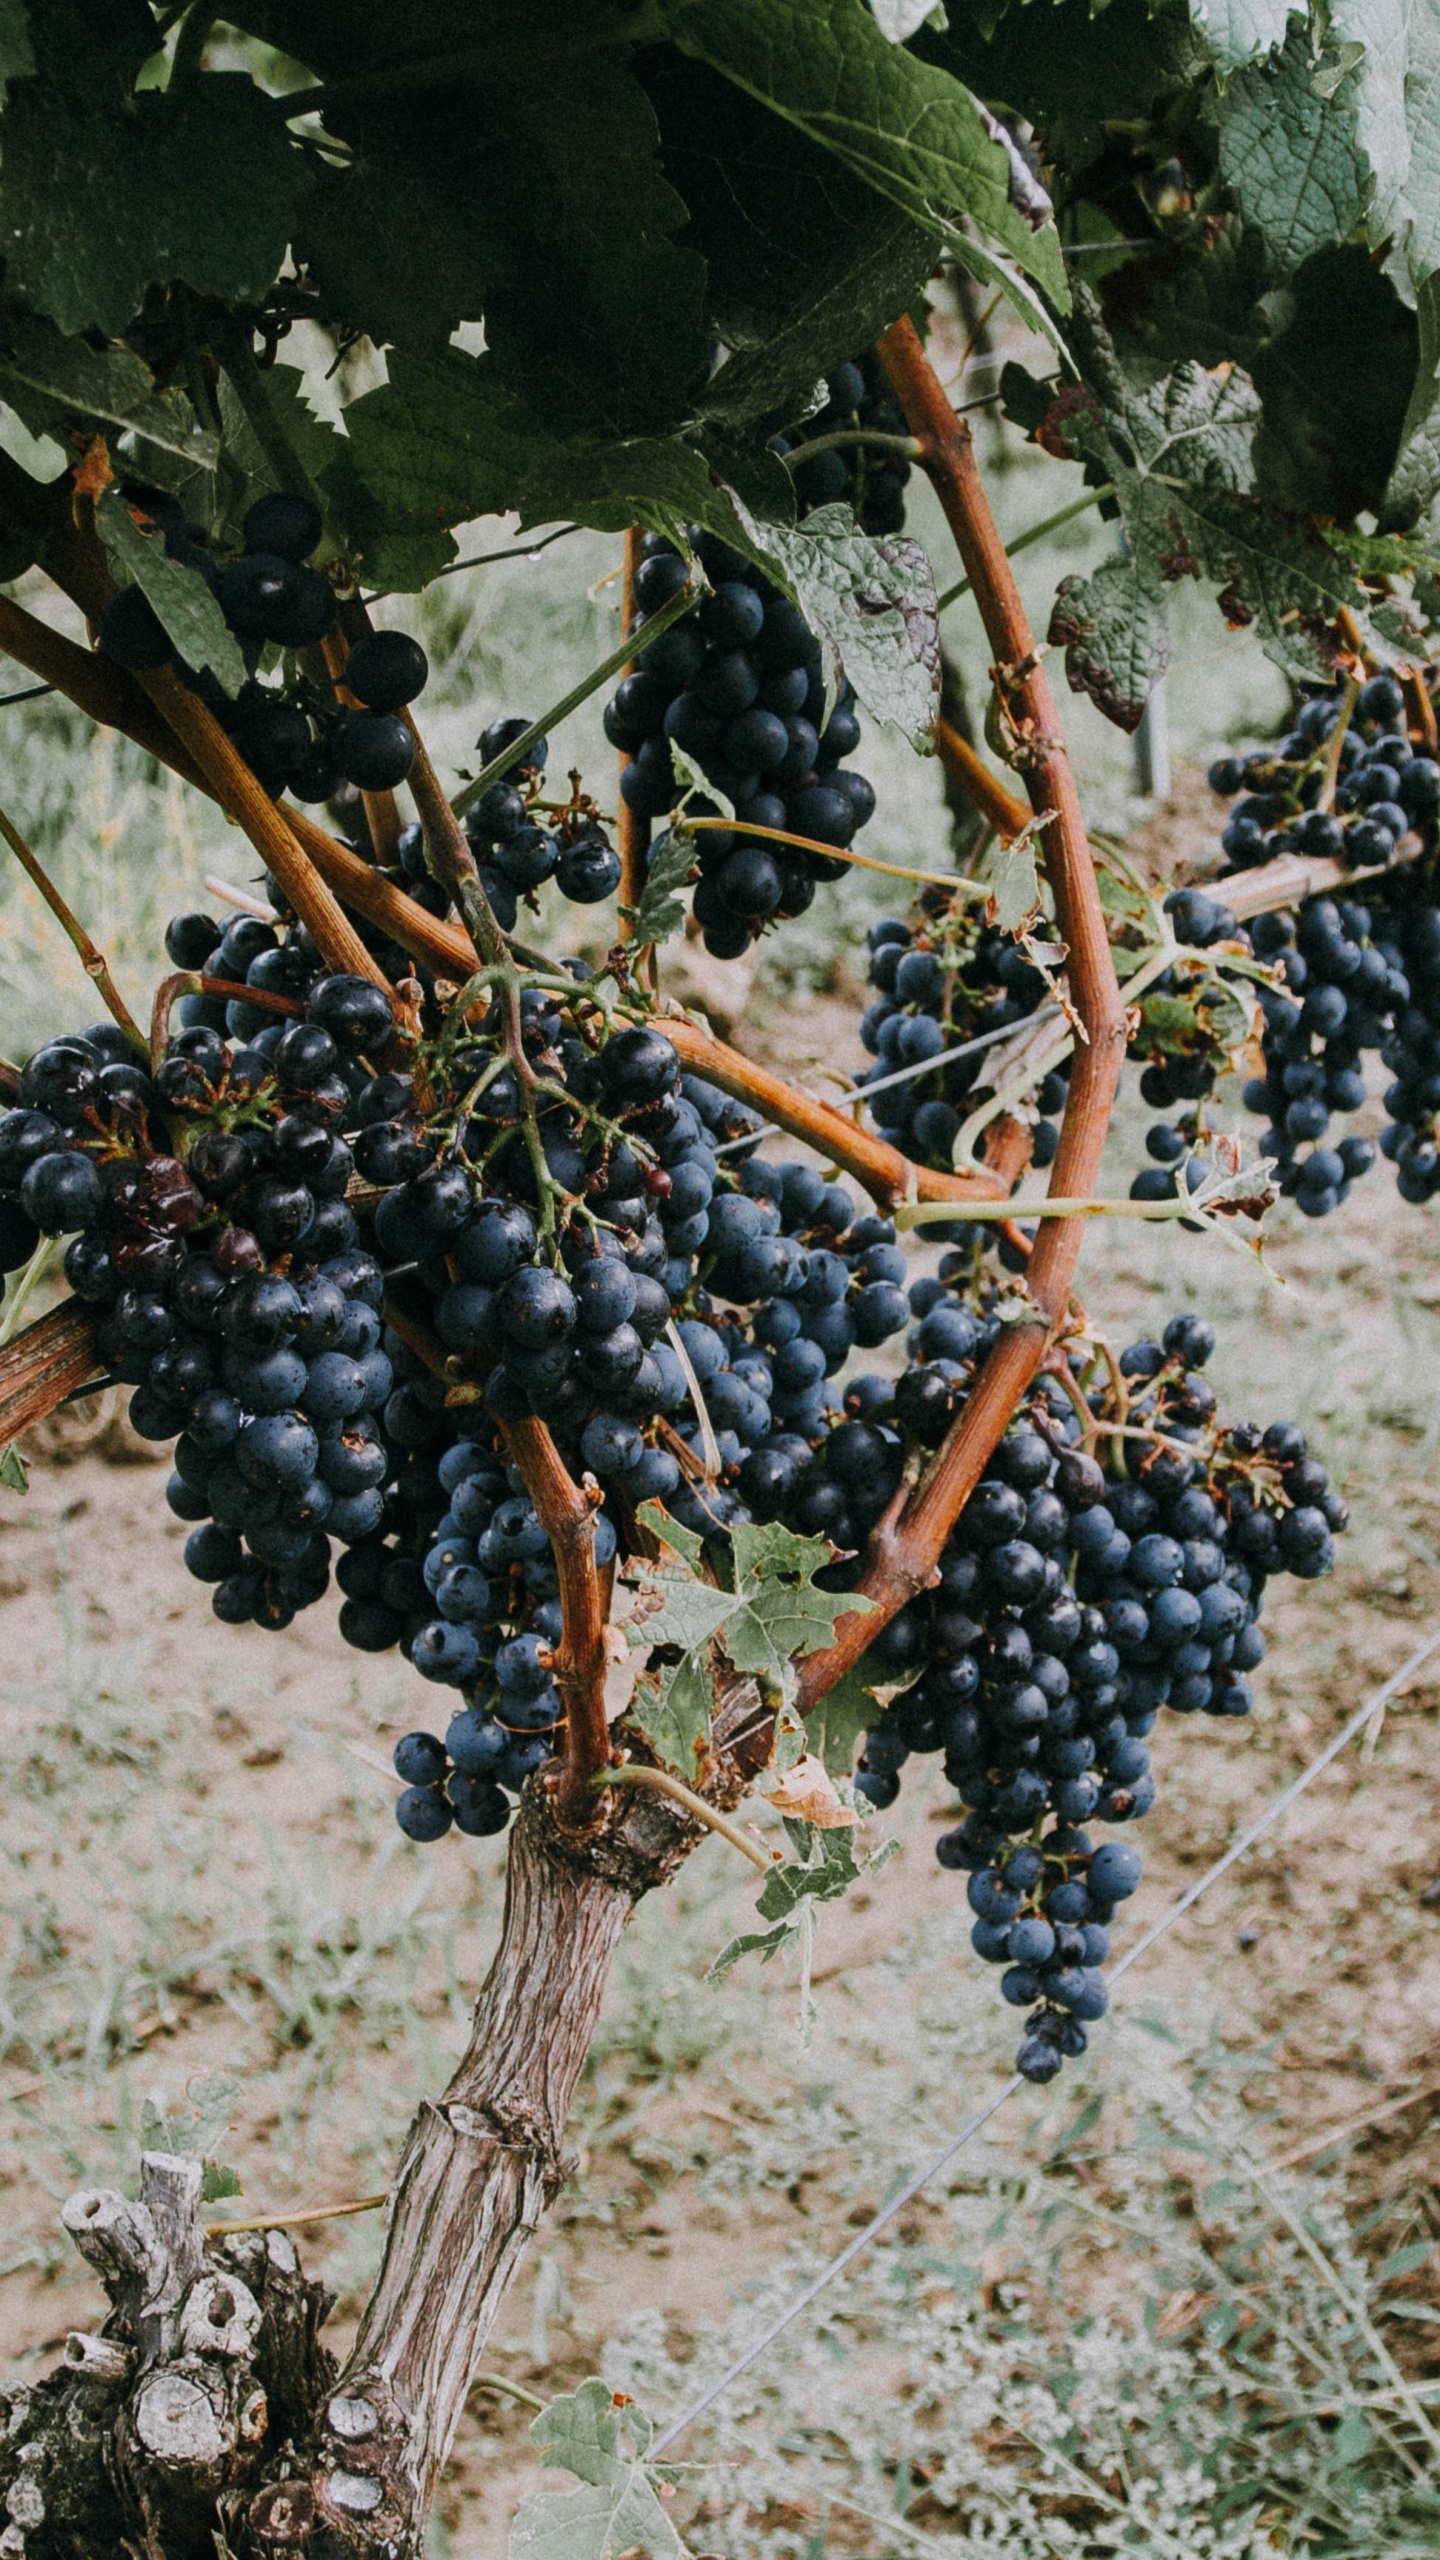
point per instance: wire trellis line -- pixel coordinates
(1373, 1706)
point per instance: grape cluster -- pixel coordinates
(1352, 976)
(1383, 787)
(943, 982)
(857, 395)
(516, 854)
(294, 737)
(1083, 1588)
(210, 1232)
(736, 689)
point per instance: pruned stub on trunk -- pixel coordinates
(156, 2428)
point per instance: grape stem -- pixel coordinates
(654, 627)
(909, 448)
(902, 1559)
(951, 880)
(1035, 533)
(92, 959)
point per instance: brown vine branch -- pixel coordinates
(42, 1365)
(103, 691)
(567, 1516)
(247, 801)
(906, 1559)
(92, 959)
(1008, 814)
(887, 1175)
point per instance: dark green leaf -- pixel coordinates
(99, 202)
(442, 441)
(189, 611)
(1291, 156)
(217, 2179)
(53, 382)
(12, 1470)
(911, 131)
(284, 445)
(1331, 431)
(1415, 478)
(1112, 627)
(1081, 74)
(672, 1708)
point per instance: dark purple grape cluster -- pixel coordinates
(737, 689)
(1095, 1575)
(294, 737)
(867, 478)
(272, 1223)
(516, 850)
(206, 1207)
(1384, 785)
(942, 982)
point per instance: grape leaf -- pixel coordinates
(445, 440)
(192, 184)
(805, 263)
(691, 1612)
(825, 1867)
(909, 129)
(833, 1728)
(871, 604)
(1393, 93)
(1113, 629)
(660, 913)
(842, 311)
(1014, 879)
(1415, 478)
(1177, 451)
(287, 448)
(683, 1542)
(672, 1709)
(52, 381)
(602, 2439)
(1235, 31)
(12, 1470)
(1292, 157)
(178, 593)
(898, 20)
(779, 1614)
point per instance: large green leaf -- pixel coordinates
(910, 130)
(443, 441)
(276, 442)
(1332, 429)
(1292, 156)
(1395, 92)
(101, 200)
(1415, 480)
(805, 262)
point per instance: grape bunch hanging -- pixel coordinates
(341, 1246)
